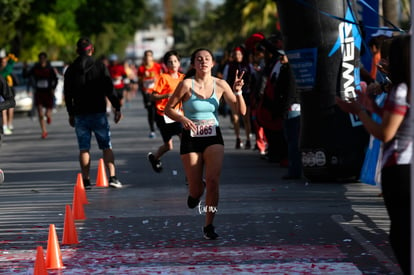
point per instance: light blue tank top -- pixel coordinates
(196, 108)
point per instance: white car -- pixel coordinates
(24, 98)
(24, 91)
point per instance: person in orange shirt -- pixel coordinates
(375, 48)
(148, 73)
(164, 88)
(375, 45)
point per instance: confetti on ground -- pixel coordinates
(216, 260)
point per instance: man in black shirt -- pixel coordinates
(87, 85)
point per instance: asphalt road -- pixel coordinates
(266, 225)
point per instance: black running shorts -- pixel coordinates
(198, 144)
(167, 130)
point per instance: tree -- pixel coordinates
(55, 25)
(231, 23)
(111, 25)
(53, 30)
(11, 11)
(390, 10)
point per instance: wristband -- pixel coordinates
(239, 92)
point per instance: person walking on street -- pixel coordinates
(87, 85)
(148, 73)
(6, 102)
(395, 133)
(202, 146)
(163, 90)
(45, 81)
(118, 74)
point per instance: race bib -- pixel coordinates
(205, 128)
(149, 83)
(117, 81)
(42, 84)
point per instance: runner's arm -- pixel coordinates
(180, 95)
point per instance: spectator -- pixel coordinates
(6, 70)
(394, 131)
(291, 118)
(6, 102)
(87, 85)
(258, 84)
(241, 63)
(269, 114)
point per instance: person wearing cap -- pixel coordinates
(45, 81)
(270, 108)
(375, 44)
(87, 85)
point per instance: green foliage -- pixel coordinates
(53, 29)
(10, 13)
(31, 26)
(46, 36)
(56, 25)
(112, 24)
(230, 24)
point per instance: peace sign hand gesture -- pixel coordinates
(238, 82)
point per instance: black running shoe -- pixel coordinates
(87, 184)
(156, 164)
(114, 182)
(247, 145)
(192, 202)
(209, 233)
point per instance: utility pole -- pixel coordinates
(168, 14)
(390, 11)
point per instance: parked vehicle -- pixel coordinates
(24, 90)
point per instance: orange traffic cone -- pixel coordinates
(53, 255)
(40, 266)
(101, 179)
(81, 189)
(77, 205)
(70, 236)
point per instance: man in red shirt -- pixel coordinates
(148, 73)
(118, 74)
(45, 81)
